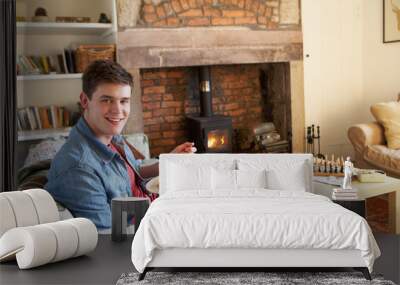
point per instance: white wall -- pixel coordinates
(348, 67)
(381, 72)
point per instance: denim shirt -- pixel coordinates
(86, 175)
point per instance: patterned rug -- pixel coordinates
(243, 278)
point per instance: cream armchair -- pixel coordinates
(31, 232)
(371, 150)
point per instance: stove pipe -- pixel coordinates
(205, 92)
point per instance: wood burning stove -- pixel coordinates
(210, 133)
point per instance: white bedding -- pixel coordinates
(251, 218)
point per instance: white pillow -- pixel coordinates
(251, 178)
(290, 179)
(224, 179)
(283, 173)
(44, 150)
(188, 177)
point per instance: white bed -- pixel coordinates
(238, 223)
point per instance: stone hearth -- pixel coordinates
(160, 41)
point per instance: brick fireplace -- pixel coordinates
(247, 45)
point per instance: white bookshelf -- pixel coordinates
(51, 38)
(50, 76)
(43, 134)
(55, 28)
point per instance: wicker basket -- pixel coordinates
(85, 54)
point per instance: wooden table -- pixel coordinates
(391, 186)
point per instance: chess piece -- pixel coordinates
(322, 166)
(328, 167)
(348, 172)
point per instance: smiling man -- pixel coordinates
(96, 165)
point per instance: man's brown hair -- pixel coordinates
(104, 71)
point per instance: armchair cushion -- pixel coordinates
(388, 114)
(362, 135)
(383, 157)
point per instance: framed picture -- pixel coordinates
(391, 21)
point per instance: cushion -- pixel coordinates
(7, 216)
(227, 179)
(27, 208)
(23, 208)
(40, 244)
(224, 179)
(183, 177)
(388, 114)
(292, 179)
(282, 173)
(252, 162)
(251, 178)
(383, 157)
(45, 150)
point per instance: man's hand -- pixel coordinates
(187, 147)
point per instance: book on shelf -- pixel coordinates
(73, 57)
(36, 60)
(36, 118)
(62, 63)
(26, 66)
(53, 64)
(31, 118)
(44, 64)
(22, 119)
(69, 60)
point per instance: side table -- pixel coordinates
(390, 188)
(357, 206)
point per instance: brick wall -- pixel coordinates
(194, 13)
(167, 98)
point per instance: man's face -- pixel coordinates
(108, 110)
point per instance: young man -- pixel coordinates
(96, 165)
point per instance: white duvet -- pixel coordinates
(252, 218)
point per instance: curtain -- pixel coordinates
(8, 101)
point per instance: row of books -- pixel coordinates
(344, 194)
(47, 64)
(36, 118)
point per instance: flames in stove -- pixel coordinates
(217, 139)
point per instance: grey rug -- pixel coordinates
(230, 278)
